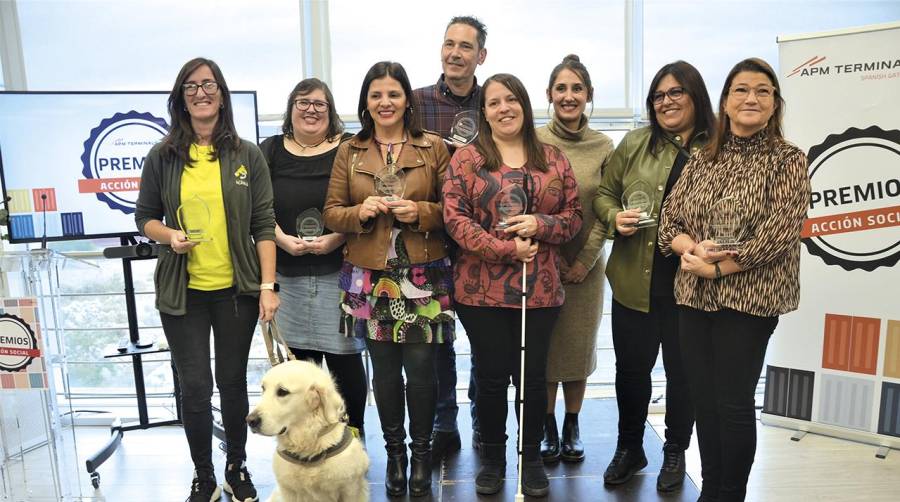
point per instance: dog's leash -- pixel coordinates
(322, 456)
(276, 346)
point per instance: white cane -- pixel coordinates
(519, 495)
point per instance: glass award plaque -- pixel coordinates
(390, 182)
(637, 198)
(193, 219)
(726, 227)
(310, 224)
(510, 202)
(465, 127)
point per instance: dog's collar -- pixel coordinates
(321, 456)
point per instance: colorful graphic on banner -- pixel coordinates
(834, 364)
(114, 156)
(22, 363)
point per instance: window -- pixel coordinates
(713, 35)
(526, 38)
(111, 45)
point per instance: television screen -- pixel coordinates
(70, 162)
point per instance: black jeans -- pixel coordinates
(723, 354)
(350, 376)
(233, 321)
(389, 360)
(495, 335)
(637, 337)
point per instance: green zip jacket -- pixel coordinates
(247, 196)
(631, 261)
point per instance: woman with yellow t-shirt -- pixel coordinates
(206, 196)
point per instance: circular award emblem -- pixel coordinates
(114, 156)
(854, 212)
(18, 345)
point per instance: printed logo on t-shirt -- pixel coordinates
(241, 176)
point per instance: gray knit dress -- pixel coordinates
(573, 354)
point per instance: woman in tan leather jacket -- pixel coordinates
(396, 278)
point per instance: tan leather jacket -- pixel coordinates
(424, 160)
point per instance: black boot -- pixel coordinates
(572, 448)
(389, 399)
(395, 475)
(420, 470)
(550, 443)
(420, 398)
(534, 478)
(493, 467)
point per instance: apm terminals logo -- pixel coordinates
(854, 210)
(868, 70)
(114, 156)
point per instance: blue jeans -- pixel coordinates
(233, 321)
(446, 409)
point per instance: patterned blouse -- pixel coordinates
(772, 186)
(486, 271)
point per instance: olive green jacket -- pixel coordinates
(247, 195)
(631, 261)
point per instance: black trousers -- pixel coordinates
(495, 335)
(389, 361)
(637, 337)
(350, 376)
(233, 321)
(723, 354)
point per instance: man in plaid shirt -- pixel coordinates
(437, 105)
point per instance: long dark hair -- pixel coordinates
(534, 149)
(394, 70)
(304, 87)
(177, 144)
(692, 82)
(773, 129)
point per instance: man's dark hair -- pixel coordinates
(474, 23)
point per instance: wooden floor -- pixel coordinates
(154, 465)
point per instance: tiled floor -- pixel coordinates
(154, 465)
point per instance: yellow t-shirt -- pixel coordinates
(209, 263)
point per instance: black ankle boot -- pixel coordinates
(395, 475)
(493, 467)
(550, 443)
(534, 477)
(420, 469)
(572, 448)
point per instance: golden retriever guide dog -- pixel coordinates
(317, 458)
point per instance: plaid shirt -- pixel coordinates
(437, 106)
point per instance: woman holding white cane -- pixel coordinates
(509, 202)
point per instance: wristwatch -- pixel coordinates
(272, 286)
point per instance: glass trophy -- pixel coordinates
(465, 127)
(310, 224)
(637, 198)
(726, 229)
(390, 182)
(510, 202)
(193, 218)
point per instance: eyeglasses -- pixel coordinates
(674, 93)
(742, 92)
(209, 87)
(303, 104)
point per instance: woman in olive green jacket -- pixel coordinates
(645, 165)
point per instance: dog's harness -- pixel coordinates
(322, 456)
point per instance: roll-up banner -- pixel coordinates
(834, 364)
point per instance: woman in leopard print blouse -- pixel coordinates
(730, 300)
